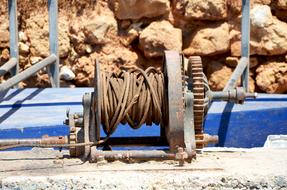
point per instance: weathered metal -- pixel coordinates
(13, 32)
(189, 132)
(245, 38)
(174, 122)
(45, 140)
(195, 67)
(181, 155)
(237, 95)
(96, 105)
(86, 121)
(53, 42)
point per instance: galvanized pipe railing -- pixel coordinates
(239, 70)
(245, 38)
(13, 33)
(52, 61)
(53, 41)
(242, 69)
(8, 66)
(12, 65)
(27, 73)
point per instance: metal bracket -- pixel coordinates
(189, 132)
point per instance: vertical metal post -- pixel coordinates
(13, 30)
(53, 40)
(245, 37)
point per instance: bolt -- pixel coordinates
(181, 155)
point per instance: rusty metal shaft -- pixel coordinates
(45, 140)
(97, 155)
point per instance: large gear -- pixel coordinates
(199, 96)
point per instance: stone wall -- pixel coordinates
(136, 32)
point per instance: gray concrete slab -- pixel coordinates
(220, 169)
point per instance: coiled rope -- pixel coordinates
(132, 96)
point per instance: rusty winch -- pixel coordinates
(175, 99)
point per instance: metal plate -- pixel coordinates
(96, 113)
(174, 115)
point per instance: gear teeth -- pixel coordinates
(199, 95)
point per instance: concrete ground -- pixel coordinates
(213, 169)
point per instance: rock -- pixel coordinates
(209, 40)
(22, 36)
(4, 38)
(66, 84)
(113, 56)
(268, 34)
(253, 62)
(272, 77)
(125, 24)
(132, 34)
(233, 61)
(281, 14)
(97, 28)
(281, 4)
(77, 38)
(261, 16)
(89, 48)
(23, 48)
(24, 62)
(66, 73)
(235, 5)
(158, 37)
(136, 9)
(35, 60)
(37, 80)
(201, 10)
(63, 35)
(4, 31)
(84, 69)
(5, 55)
(218, 75)
(37, 31)
(280, 10)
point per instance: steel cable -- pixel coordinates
(132, 96)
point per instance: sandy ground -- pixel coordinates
(224, 169)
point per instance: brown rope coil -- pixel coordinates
(132, 96)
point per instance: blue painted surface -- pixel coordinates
(31, 113)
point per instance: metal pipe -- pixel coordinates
(9, 142)
(229, 95)
(45, 140)
(97, 155)
(245, 38)
(53, 70)
(231, 84)
(13, 30)
(27, 73)
(8, 66)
